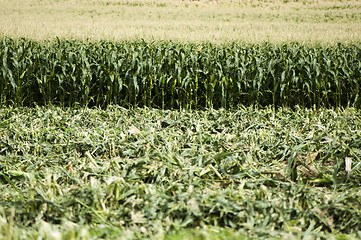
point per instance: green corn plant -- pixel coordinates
(174, 75)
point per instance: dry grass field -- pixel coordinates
(306, 21)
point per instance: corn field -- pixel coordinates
(170, 75)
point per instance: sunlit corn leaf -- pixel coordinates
(174, 75)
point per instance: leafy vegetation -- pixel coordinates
(258, 139)
(81, 173)
(172, 75)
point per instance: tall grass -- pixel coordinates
(173, 75)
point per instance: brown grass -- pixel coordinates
(324, 22)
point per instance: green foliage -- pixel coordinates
(80, 173)
(172, 75)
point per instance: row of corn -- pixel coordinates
(175, 75)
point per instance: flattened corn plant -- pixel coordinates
(80, 173)
(170, 75)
